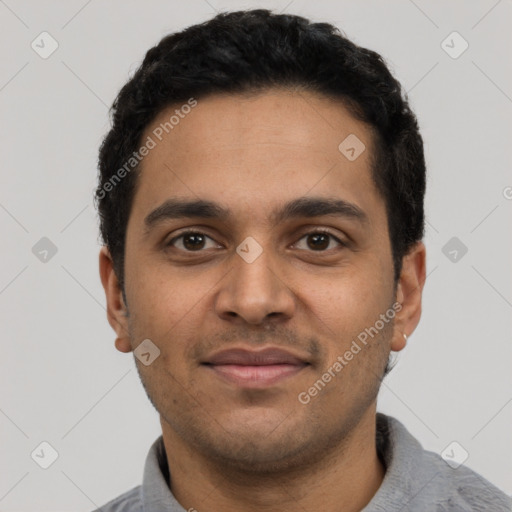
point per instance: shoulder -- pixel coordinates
(127, 502)
(421, 480)
(463, 489)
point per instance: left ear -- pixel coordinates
(408, 294)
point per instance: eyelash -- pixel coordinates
(313, 232)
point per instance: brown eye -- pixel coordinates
(319, 240)
(191, 241)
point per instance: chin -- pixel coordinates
(263, 447)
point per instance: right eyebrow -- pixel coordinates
(178, 208)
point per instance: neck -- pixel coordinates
(350, 474)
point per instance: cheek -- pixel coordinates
(156, 293)
(168, 310)
(343, 308)
(347, 298)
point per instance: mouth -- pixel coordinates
(255, 369)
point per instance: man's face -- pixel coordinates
(307, 293)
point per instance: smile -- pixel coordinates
(252, 369)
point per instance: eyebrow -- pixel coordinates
(175, 208)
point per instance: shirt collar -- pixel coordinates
(156, 495)
(399, 451)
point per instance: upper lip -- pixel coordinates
(241, 356)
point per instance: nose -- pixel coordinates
(255, 292)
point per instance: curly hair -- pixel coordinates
(251, 51)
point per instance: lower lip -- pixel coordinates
(256, 376)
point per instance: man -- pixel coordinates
(261, 203)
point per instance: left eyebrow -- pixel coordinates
(318, 207)
(308, 207)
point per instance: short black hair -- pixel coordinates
(256, 50)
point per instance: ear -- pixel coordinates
(116, 308)
(408, 294)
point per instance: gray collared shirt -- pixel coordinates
(416, 480)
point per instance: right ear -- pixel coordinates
(116, 308)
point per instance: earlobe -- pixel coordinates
(116, 308)
(399, 341)
(123, 344)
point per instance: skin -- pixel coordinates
(230, 448)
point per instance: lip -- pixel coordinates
(255, 369)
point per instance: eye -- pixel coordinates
(192, 241)
(319, 240)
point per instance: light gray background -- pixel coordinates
(63, 381)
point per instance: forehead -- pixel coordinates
(255, 151)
